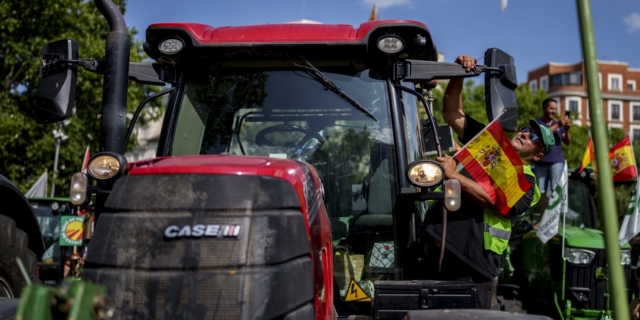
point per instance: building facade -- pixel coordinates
(566, 83)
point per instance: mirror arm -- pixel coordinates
(427, 106)
(420, 71)
(139, 110)
(140, 72)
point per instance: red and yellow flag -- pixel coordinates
(623, 164)
(374, 13)
(493, 163)
(588, 155)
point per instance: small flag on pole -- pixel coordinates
(85, 160)
(623, 164)
(588, 155)
(39, 188)
(558, 204)
(495, 165)
(374, 13)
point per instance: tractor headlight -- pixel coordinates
(579, 256)
(171, 46)
(390, 44)
(625, 260)
(105, 166)
(425, 173)
(78, 192)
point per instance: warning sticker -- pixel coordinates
(72, 230)
(355, 293)
(382, 255)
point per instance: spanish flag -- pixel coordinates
(374, 13)
(623, 164)
(588, 155)
(493, 163)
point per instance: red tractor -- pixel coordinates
(291, 175)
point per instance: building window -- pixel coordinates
(567, 79)
(544, 83)
(635, 134)
(631, 85)
(615, 82)
(635, 111)
(573, 104)
(615, 110)
(600, 80)
(534, 86)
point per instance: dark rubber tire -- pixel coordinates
(13, 245)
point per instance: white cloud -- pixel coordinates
(387, 3)
(633, 22)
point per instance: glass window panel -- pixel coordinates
(636, 113)
(615, 111)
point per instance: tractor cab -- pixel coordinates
(292, 160)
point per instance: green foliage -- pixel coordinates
(26, 148)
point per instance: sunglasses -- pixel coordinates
(532, 135)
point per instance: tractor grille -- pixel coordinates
(582, 277)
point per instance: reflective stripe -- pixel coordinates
(495, 232)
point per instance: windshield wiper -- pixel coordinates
(320, 77)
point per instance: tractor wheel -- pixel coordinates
(13, 245)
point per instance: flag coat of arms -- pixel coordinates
(623, 164)
(495, 165)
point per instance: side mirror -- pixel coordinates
(500, 94)
(57, 85)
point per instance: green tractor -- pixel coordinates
(564, 281)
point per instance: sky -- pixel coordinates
(534, 32)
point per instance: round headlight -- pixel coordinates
(104, 167)
(390, 44)
(425, 173)
(171, 46)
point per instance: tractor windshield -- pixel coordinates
(286, 113)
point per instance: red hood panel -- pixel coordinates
(288, 170)
(240, 165)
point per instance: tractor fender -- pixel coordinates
(16, 207)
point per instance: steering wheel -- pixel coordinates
(261, 140)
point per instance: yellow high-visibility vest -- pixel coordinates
(497, 228)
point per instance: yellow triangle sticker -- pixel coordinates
(355, 293)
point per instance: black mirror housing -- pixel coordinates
(500, 94)
(57, 85)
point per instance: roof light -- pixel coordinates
(171, 46)
(390, 44)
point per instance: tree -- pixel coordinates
(27, 148)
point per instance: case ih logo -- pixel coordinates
(201, 230)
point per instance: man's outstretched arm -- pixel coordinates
(452, 102)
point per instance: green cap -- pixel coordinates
(547, 136)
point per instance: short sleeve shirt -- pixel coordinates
(556, 154)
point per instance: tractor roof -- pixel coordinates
(290, 35)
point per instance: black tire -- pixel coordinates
(13, 245)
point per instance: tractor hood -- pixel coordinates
(300, 175)
(582, 238)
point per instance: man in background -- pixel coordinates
(549, 169)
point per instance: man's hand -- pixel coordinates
(566, 122)
(467, 62)
(449, 166)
